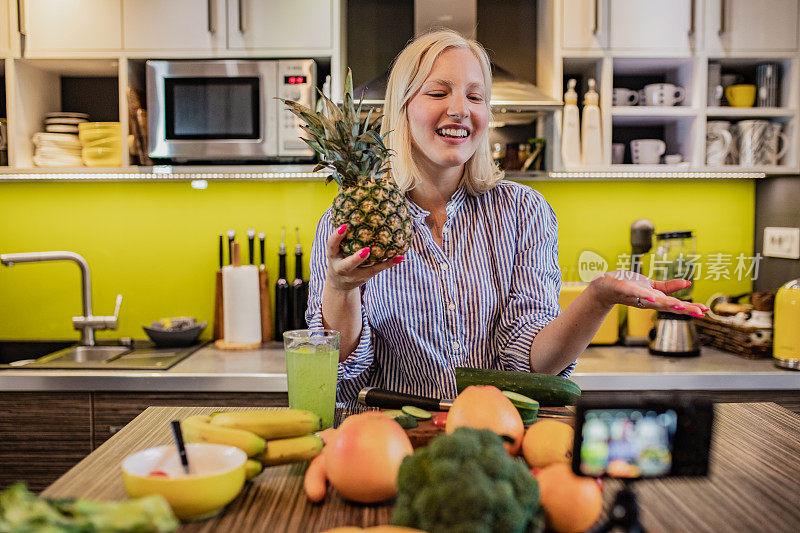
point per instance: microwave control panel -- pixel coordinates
(297, 80)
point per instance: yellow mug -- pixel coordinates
(741, 95)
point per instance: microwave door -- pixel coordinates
(215, 115)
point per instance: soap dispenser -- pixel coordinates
(591, 141)
(570, 131)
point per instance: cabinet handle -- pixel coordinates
(211, 28)
(241, 16)
(722, 13)
(595, 26)
(691, 18)
(21, 17)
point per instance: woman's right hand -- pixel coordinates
(343, 273)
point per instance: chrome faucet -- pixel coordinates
(87, 323)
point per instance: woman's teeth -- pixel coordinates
(452, 132)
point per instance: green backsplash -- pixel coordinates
(156, 242)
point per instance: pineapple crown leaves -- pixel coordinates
(354, 149)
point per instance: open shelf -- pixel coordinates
(653, 111)
(637, 73)
(750, 112)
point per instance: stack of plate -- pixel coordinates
(62, 122)
(58, 145)
(102, 143)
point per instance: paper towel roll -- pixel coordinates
(242, 307)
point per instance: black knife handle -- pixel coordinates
(374, 397)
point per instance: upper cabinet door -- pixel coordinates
(78, 25)
(173, 25)
(584, 24)
(652, 25)
(280, 24)
(747, 25)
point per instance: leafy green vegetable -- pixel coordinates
(21, 511)
(466, 482)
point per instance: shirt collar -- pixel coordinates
(452, 207)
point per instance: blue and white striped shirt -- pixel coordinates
(476, 301)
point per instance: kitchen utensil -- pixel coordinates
(675, 251)
(312, 360)
(767, 76)
(283, 302)
(103, 156)
(242, 308)
(719, 141)
(623, 97)
(741, 95)
(178, 436)
(218, 476)
(663, 94)
(386, 399)
(758, 143)
(647, 151)
(786, 333)
(251, 236)
(263, 291)
(673, 159)
(674, 336)
(617, 153)
(231, 237)
(139, 132)
(61, 128)
(299, 287)
(218, 301)
(67, 114)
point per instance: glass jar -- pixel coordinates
(675, 257)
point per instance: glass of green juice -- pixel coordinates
(312, 359)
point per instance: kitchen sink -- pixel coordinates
(11, 351)
(141, 355)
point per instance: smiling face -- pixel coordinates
(449, 115)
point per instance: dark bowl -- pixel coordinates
(175, 339)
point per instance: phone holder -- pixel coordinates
(624, 512)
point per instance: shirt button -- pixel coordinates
(452, 307)
(444, 266)
(455, 346)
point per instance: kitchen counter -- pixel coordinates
(599, 368)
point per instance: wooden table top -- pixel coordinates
(754, 483)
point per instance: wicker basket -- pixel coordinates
(744, 341)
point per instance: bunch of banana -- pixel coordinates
(270, 437)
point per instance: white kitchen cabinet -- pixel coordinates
(174, 25)
(78, 25)
(585, 26)
(656, 26)
(748, 26)
(280, 24)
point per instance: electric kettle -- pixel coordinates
(786, 333)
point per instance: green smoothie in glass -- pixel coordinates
(312, 358)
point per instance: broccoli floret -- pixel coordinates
(467, 483)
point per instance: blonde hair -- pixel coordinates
(410, 70)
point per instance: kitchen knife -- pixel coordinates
(231, 238)
(386, 399)
(221, 253)
(261, 239)
(251, 240)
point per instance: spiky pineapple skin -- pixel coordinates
(376, 214)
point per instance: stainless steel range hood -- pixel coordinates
(514, 101)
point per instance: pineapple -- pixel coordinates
(374, 209)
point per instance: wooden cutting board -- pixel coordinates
(422, 434)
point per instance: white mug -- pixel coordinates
(758, 143)
(625, 97)
(719, 142)
(647, 151)
(663, 94)
(774, 136)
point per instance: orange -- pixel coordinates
(571, 503)
(485, 407)
(547, 442)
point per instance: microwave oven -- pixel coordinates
(227, 110)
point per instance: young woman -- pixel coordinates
(479, 285)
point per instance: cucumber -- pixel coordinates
(416, 412)
(405, 421)
(528, 415)
(546, 389)
(521, 402)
